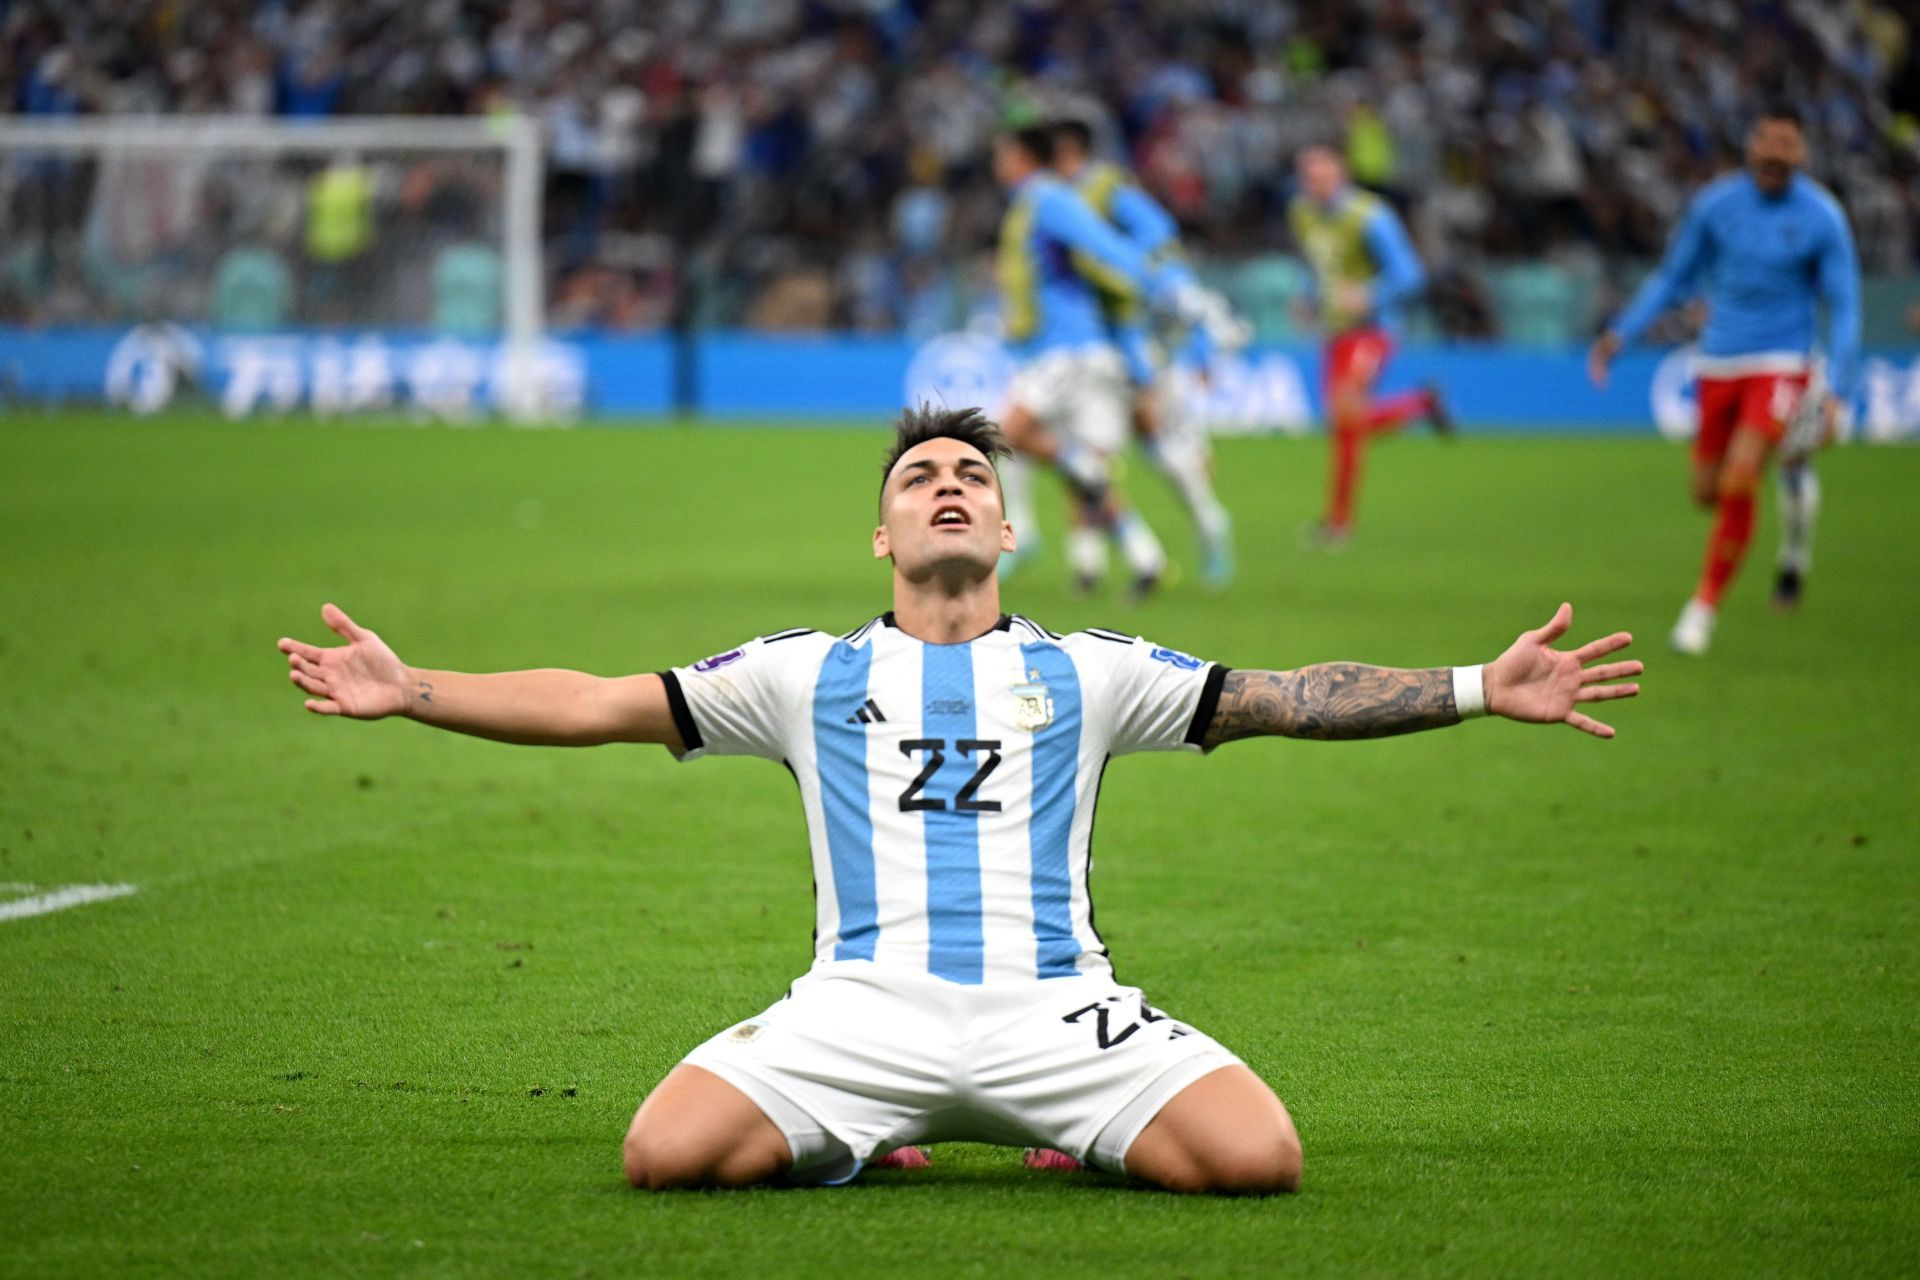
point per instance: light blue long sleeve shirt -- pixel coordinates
(1142, 219)
(1112, 193)
(1046, 298)
(1763, 263)
(1401, 276)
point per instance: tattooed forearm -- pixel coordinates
(1332, 700)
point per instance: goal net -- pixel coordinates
(275, 265)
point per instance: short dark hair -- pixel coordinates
(1079, 132)
(1781, 109)
(1034, 139)
(924, 423)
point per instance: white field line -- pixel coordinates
(72, 895)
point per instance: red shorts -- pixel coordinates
(1761, 402)
(1358, 355)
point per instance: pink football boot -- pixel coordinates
(1047, 1160)
(903, 1158)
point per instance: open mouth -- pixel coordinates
(951, 517)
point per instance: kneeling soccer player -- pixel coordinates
(949, 757)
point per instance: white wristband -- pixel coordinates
(1469, 692)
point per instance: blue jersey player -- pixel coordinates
(1174, 442)
(1070, 403)
(949, 758)
(1365, 273)
(1766, 247)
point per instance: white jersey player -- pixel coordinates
(949, 759)
(949, 793)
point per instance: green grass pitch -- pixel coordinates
(386, 999)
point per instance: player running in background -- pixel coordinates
(1765, 246)
(1173, 441)
(1070, 404)
(1364, 272)
(949, 759)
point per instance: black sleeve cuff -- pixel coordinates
(683, 715)
(1209, 703)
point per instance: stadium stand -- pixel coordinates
(780, 143)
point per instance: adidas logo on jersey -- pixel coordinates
(869, 714)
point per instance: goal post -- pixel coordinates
(344, 226)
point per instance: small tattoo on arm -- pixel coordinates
(426, 691)
(1333, 700)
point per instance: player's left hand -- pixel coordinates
(1539, 684)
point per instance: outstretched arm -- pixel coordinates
(365, 680)
(1839, 282)
(1063, 215)
(1670, 282)
(1145, 220)
(1114, 262)
(1335, 700)
(1331, 701)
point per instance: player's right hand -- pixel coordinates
(1829, 419)
(362, 678)
(1600, 357)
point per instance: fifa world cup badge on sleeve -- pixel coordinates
(718, 660)
(1032, 704)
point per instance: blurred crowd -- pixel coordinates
(823, 163)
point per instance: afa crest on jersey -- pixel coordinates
(1032, 705)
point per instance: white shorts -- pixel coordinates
(1079, 392)
(1182, 425)
(860, 1059)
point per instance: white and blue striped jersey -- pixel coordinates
(949, 788)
